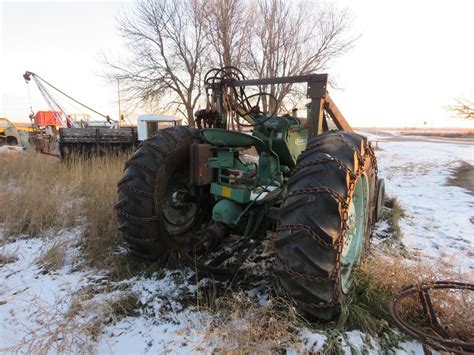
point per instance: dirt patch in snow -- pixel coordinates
(463, 176)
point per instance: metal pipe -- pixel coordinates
(277, 80)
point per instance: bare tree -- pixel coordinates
(229, 25)
(171, 44)
(463, 108)
(296, 38)
(166, 42)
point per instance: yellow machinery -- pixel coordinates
(8, 133)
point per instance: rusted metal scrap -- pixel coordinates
(440, 339)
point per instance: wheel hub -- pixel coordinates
(180, 209)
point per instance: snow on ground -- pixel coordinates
(165, 326)
(10, 149)
(439, 218)
(438, 222)
(26, 293)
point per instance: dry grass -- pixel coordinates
(7, 258)
(393, 212)
(388, 274)
(99, 189)
(101, 311)
(241, 325)
(54, 257)
(51, 329)
(74, 329)
(41, 193)
(35, 195)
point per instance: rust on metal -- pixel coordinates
(439, 339)
(200, 173)
(336, 115)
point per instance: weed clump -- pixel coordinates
(54, 257)
(241, 324)
(7, 258)
(393, 213)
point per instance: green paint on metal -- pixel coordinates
(355, 236)
(224, 138)
(285, 137)
(226, 211)
(297, 141)
(268, 169)
(225, 158)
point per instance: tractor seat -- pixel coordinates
(225, 138)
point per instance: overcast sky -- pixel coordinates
(412, 59)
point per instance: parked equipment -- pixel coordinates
(44, 132)
(57, 133)
(196, 192)
(51, 135)
(8, 133)
(103, 140)
(63, 119)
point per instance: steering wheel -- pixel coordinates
(252, 107)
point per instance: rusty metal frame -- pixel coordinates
(316, 91)
(442, 340)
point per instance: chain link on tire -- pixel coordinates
(313, 220)
(145, 187)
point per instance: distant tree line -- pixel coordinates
(170, 44)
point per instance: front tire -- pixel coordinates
(325, 221)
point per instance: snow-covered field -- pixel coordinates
(35, 305)
(439, 218)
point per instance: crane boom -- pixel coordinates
(53, 102)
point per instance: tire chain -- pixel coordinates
(334, 194)
(298, 274)
(344, 212)
(141, 166)
(340, 164)
(306, 228)
(160, 150)
(342, 139)
(145, 241)
(156, 147)
(137, 191)
(135, 218)
(338, 244)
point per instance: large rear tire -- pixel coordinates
(326, 221)
(158, 208)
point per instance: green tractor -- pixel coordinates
(210, 194)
